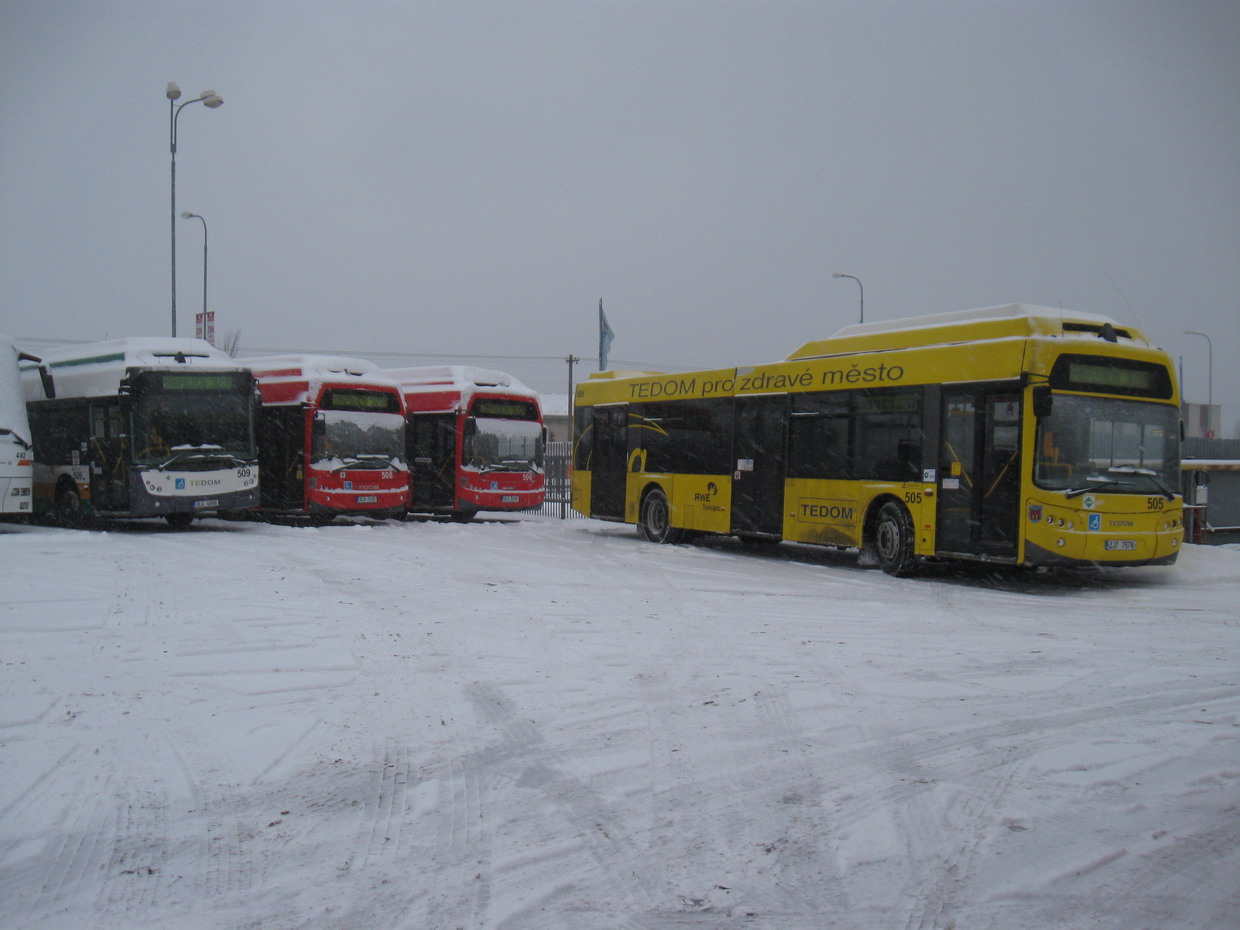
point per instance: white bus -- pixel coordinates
(143, 428)
(16, 461)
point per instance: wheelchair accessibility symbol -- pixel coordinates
(1095, 521)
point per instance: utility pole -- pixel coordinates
(565, 497)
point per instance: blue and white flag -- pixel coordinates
(605, 336)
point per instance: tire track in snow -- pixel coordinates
(80, 842)
(227, 862)
(461, 898)
(521, 759)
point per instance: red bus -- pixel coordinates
(474, 441)
(331, 438)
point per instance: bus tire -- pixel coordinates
(893, 540)
(68, 503)
(655, 524)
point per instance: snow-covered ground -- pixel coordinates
(543, 724)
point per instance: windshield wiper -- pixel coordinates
(1144, 473)
(207, 452)
(1098, 484)
(356, 461)
(510, 465)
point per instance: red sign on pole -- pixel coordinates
(204, 326)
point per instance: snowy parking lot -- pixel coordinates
(542, 724)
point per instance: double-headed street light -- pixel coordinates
(860, 285)
(186, 215)
(211, 100)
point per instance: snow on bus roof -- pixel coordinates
(312, 366)
(95, 369)
(298, 378)
(137, 350)
(1004, 321)
(455, 377)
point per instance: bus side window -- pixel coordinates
(908, 458)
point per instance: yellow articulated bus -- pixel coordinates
(1020, 435)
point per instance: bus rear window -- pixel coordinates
(1099, 374)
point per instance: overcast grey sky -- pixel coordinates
(471, 178)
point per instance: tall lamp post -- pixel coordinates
(860, 285)
(211, 100)
(1209, 364)
(186, 215)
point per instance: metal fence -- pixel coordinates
(556, 472)
(1212, 490)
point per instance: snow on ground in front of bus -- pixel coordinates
(542, 724)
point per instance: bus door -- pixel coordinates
(109, 456)
(608, 461)
(759, 463)
(979, 486)
(432, 460)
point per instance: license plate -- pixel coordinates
(1123, 545)
(367, 499)
(199, 505)
(508, 499)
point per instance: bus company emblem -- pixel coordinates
(1035, 513)
(711, 490)
(826, 511)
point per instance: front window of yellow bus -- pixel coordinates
(191, 420)
(1091, 445)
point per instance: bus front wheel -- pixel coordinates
(68, 504)
(893, 540)
(656, 519)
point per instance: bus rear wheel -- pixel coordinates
(893, 540)
(656, 519)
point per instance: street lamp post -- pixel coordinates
(860, 285)
(186, 215)
(1209, 364)
(211, 100)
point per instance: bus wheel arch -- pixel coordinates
(654, 520)
(890, 536)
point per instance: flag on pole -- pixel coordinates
(605, 336)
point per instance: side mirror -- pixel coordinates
(471, 427)
(1043, 402)
(45, 374)
(320, 425)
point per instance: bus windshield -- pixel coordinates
(1094, 444)
(188, 425)
(503, 445)
(357, 439)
